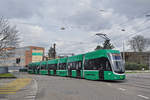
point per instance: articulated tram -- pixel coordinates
(96, 65)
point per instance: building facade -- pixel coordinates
(22, 56)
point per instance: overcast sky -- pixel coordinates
(40, 22)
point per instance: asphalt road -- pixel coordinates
(135, 87)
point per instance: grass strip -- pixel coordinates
(7, 75)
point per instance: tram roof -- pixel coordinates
(75, 58)
(62, 60)
(99, 53)
(43, 62)
(53, 61)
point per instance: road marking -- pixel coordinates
(32, 94)
(122, 89)
(143, 97)
(30, 97)
(35, 86)
(14, 86)
(7, 92)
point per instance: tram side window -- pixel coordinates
(54, 66)
(107, 65)
(79, 65)
(29, 67)
(43, 66)
(103, 64)
(62, 66)
(88, 65)
(38, 67)
(58, 67)
(50, 66)
(71, 66)
(97, 64)
(33, 67)
(75, 65)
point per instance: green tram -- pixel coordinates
(96, 65)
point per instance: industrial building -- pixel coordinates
(22, 56)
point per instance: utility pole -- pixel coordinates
(123, 47)
(149, 62)
(123, 52)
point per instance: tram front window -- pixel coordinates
(117, 63)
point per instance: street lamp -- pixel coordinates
(62, 28)
(123, 30)
(148, 15)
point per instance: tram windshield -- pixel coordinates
(117, 63)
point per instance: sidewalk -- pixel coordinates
(24, 87)
(137, 71)
(14, 86)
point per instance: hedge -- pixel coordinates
(23, 70)
(135, 66)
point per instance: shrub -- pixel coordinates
(135, 66)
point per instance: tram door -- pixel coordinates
(49, 71)
(78, 73)
(38, 70)
(69, 69)
(101, 74)
(78, 67)
(69, 72)
(34, 70)
(104, 65)
(54, 71)
(54, 68)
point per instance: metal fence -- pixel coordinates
(3, 70)
(14, 67)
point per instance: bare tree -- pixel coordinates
(8, 36)
(138, 43)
